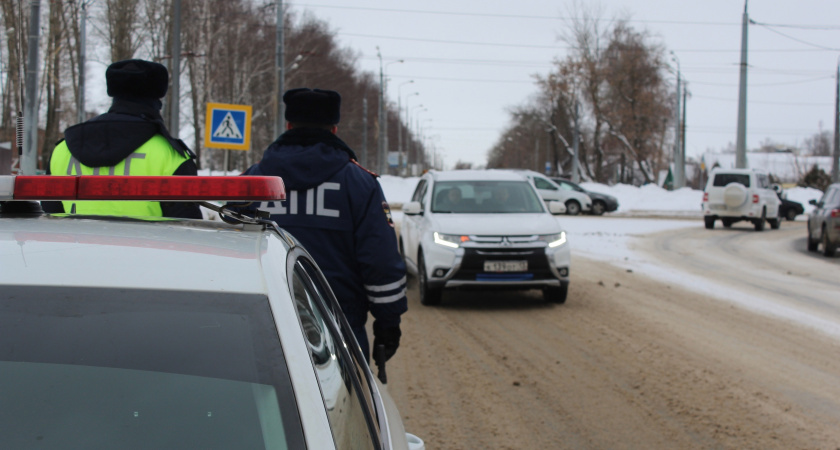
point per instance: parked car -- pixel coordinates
(789, 209)
(824, 222)
(132, 332)
(483, 229)
(575, 201)
(601, 203)
(732, 195)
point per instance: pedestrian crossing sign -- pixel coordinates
(227, 126)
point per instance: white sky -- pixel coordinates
(472, 60)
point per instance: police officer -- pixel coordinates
(336, 208)
(130, 139)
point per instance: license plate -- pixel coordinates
(505, 266)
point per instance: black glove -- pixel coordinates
(388, 337)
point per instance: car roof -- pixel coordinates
(477, 175)
(746, 171)
(120, 253)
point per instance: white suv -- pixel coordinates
(483, 229)
(732, 195)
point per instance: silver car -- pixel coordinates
(824, 222)
(132, 332)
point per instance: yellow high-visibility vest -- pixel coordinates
(155, 157)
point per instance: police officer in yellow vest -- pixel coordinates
(130, 139)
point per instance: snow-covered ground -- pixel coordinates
(632, 200)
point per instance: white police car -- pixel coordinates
(483, 229)
(155, 333)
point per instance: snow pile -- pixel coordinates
(649, 199)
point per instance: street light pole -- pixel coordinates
(399, 122)
(835, 164)
(383, 118)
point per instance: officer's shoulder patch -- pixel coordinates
(364, 168)
(387, 210)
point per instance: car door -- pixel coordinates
(343, 375)
(548, 190)
(411, 227)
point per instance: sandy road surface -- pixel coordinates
(626, 363)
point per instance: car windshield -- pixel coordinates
(722, 179)
(116, 368)
(485, 197)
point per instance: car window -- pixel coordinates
(570, 186)
(722, 179)
(542, 183)
(125, 368)
(486, 197)
(419, 191)
(349, 415)
(832, 197)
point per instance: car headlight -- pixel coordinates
(554, 240)
(449, 240)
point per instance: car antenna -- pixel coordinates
(19, 118)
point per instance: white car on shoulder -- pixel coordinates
(483, 229)
(576, 202)
(136, 332)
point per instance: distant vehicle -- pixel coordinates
(137, 332)
(483, 229)
(601, 203)
(789, 209)
(575, 201)
(824, 222)
(732, 195)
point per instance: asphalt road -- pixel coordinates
(631, 362)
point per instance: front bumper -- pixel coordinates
(464, 267)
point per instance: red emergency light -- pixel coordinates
(160, 188)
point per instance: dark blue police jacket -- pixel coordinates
(337, 210)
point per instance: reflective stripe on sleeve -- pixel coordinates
(386, 287)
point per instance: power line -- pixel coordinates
(704, 97)
(793, 38)
(501, 16)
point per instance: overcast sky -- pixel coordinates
(470, 61)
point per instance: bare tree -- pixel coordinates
(636, 96)
(121, 20)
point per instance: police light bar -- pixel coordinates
(171, 189)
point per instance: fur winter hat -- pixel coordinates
(136, 78)
(317, 106)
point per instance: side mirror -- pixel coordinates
(813, 201)
(412, 208)
(556, 208)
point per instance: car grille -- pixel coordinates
(472, 264)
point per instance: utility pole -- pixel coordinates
(575, 146)
(381, 141)
(28, 159)
(677, 180)
(80, 106)
(175, 99)
(279, 75)
(835, 164)
(741, 143)
(363, 162)
(682, 135)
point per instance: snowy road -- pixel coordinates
(770, 272)
(660, 348)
